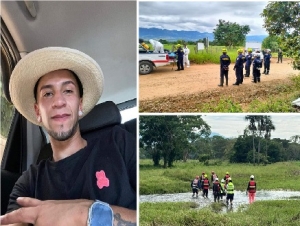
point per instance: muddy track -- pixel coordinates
(166, 90)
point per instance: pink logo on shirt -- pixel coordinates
(102, 180)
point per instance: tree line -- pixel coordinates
(170, 138)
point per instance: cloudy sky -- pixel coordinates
(233, 125)
(201, 16)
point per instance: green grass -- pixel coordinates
(224, 105)
(154, 180)
(212, 55)
(280, 99)
(276, 213)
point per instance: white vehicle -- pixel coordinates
(148, 60)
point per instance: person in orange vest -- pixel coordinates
(226, 178)
(205, 186)
(251, 189)
(195, 186)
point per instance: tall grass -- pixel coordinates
(281, 175)
(276, 213)
(211, 55)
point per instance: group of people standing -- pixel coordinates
(220, 189)
(253, 59)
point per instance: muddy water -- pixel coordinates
(240, 198)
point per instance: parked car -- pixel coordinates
(106, 31)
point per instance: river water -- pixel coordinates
(240, 198)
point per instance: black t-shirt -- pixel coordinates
(105, 170)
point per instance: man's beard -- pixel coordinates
(62, 136)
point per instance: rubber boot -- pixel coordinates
(226, 81)
(221, 82)
(267, 73)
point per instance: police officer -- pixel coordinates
(249, 59)
(238, 67)
(257, 65)
(179, 54)
(224, 63)
(267, 59)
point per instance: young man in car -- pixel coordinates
(86, 182)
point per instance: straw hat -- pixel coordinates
(42, 61)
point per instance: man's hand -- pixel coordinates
(39, 213)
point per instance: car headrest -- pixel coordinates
(102, 115)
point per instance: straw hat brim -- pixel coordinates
(42, 61)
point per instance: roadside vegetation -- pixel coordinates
(276, 213)
(177, 179)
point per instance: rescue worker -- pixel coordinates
(230, 191)
(195, 185)
(257, 65)
(226, 177)
(223, 191)
(186, 51)
(251, 189)
(244, 61)
(202, 177)
(238, 67)
(158, 47)
(224, 67)
(205, 186)
(267, 60)
(249, 59)
(213, 176)
(216, 190)
(279, 56)
(145, 45)
(179, 54)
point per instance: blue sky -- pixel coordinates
(233, 125)
(201, 16)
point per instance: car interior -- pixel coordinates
(106, 31)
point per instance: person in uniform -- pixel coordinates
(238, 67)
(257, 65)
(249, 59)
(251, 189)
(179, 54)
(279, 56)
(186, 51)
(267, 60)
(224, 67)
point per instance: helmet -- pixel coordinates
(252, 177)
(222, 181)
(227, 172)
(249, 50)
(205, 175)
(217, 179)
(239, 50)
(178, 45)
(224, 50)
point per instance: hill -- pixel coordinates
(173, 35)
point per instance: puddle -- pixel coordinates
(240, 198)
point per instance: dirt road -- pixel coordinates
(164, 81)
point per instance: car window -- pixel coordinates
(7, 111)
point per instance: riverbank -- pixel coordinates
(275, 213)
(277, 176)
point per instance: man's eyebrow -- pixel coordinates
(51, 86)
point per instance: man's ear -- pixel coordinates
(37, 112)
(80, 104)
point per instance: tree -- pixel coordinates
(295, 139)
(271, 42)
(230, 34)
(263, 128)
(283, 19)
(169, 137)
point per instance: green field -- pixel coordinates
(260, 213)
(281, 175)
